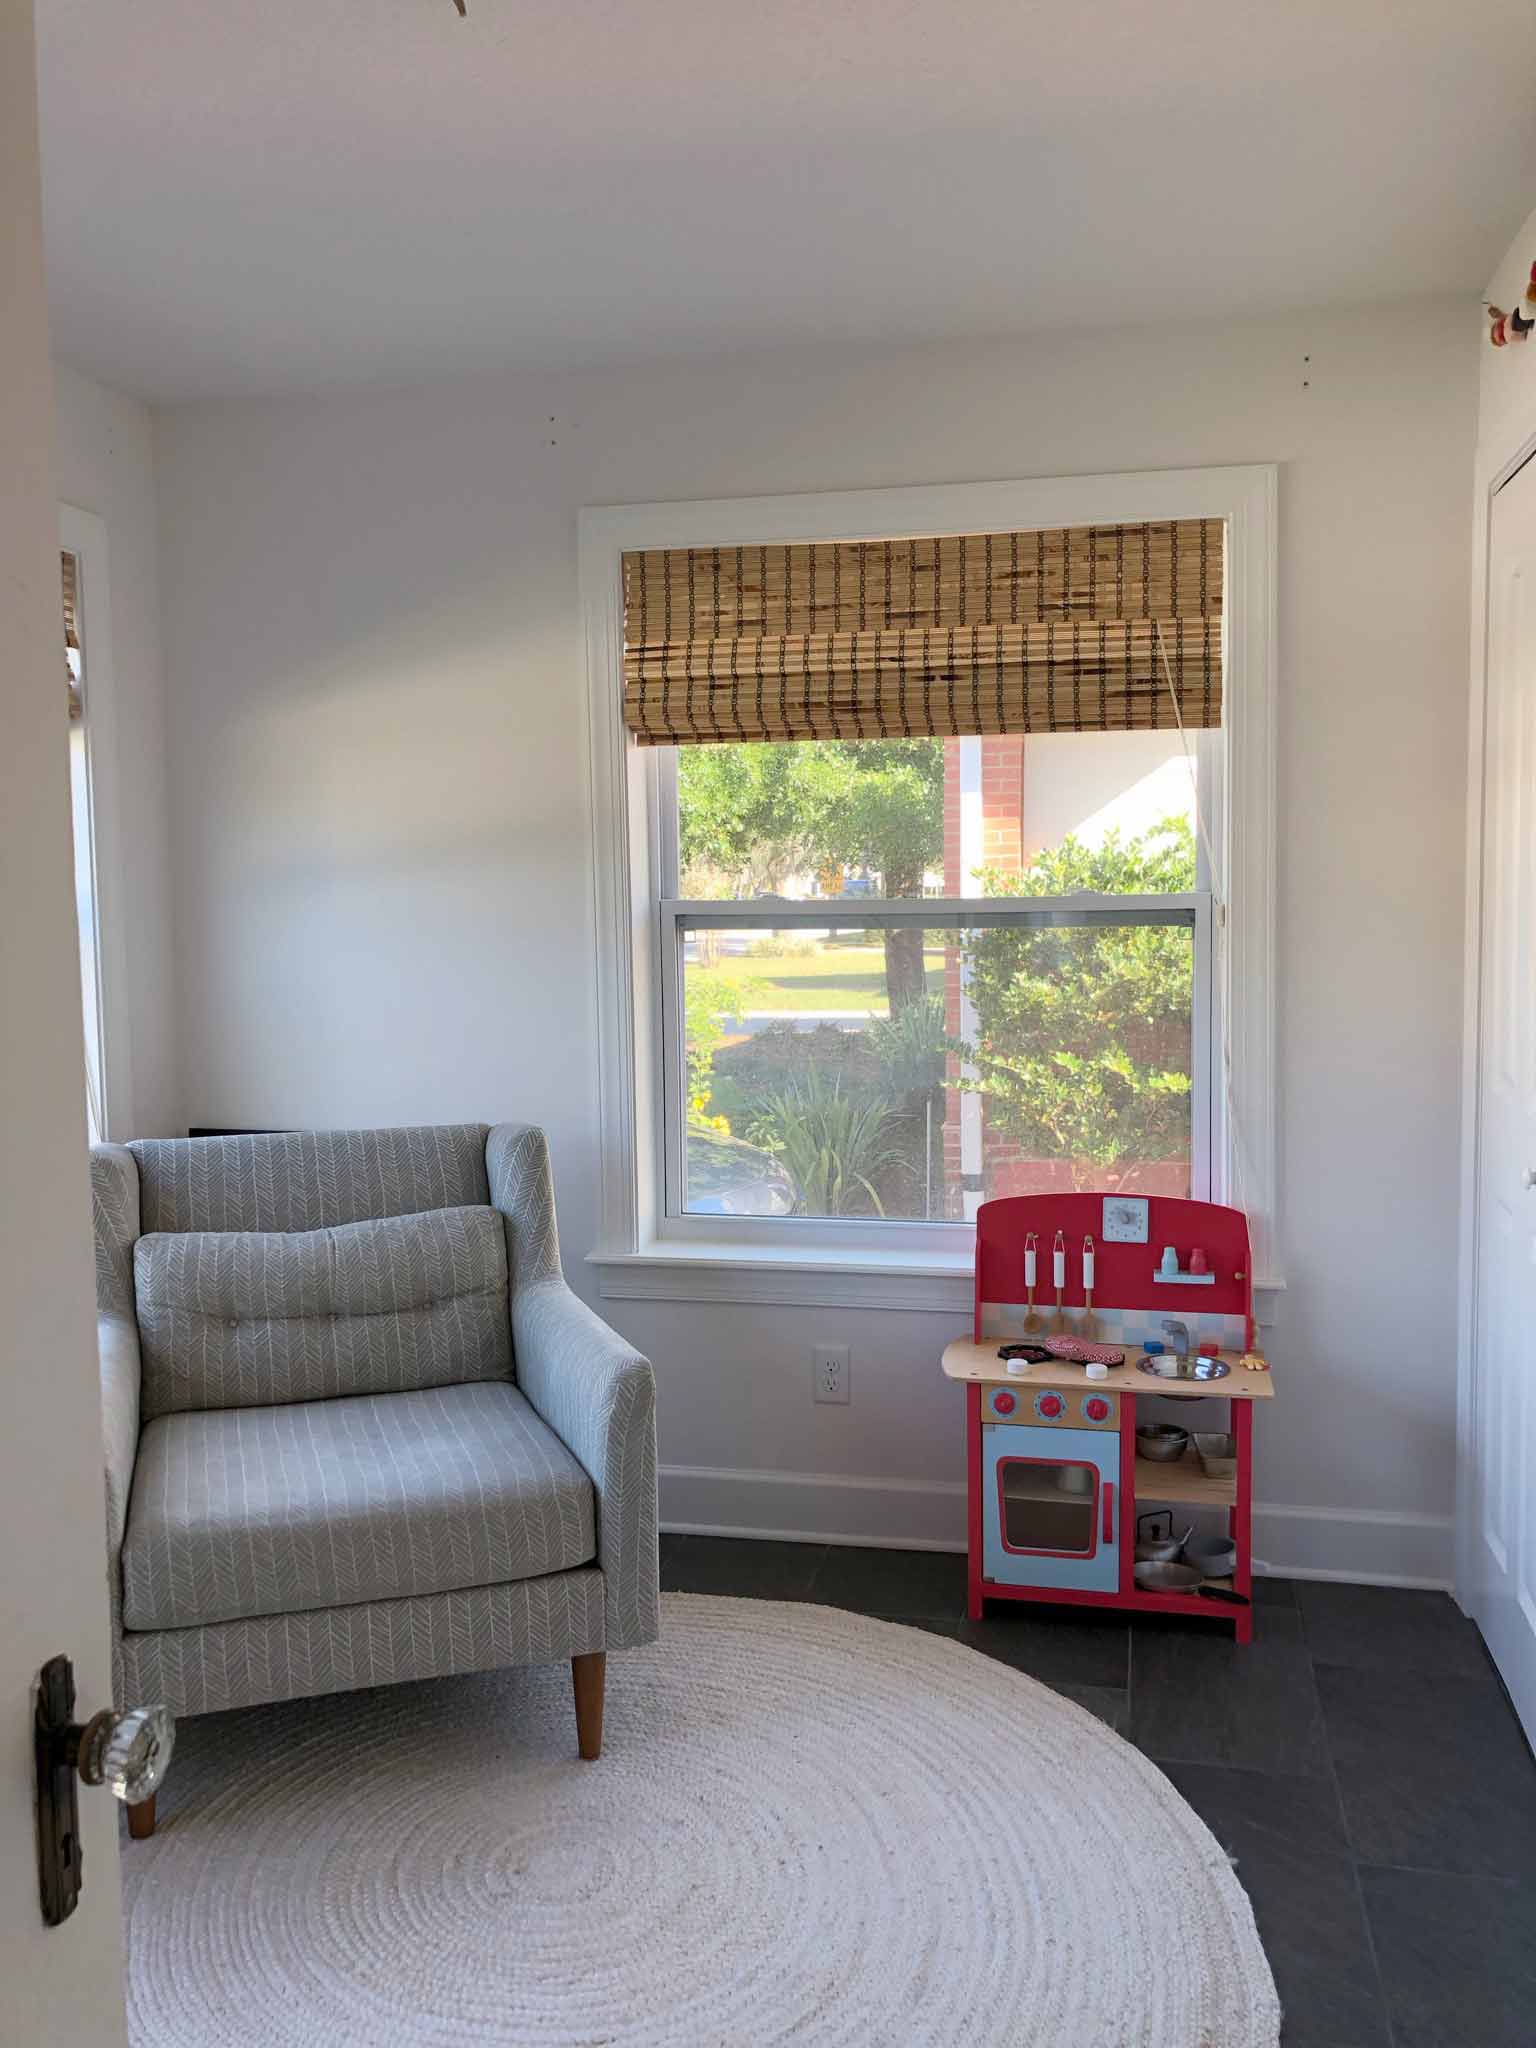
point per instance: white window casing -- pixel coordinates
(98, 862)
(646, 1252)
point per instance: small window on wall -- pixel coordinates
(934, 910)
(87, 917)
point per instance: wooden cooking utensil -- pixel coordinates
(1059, 1280)
(1089, 1326)
(1033, 1320)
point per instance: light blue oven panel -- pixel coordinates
(1043, 1525)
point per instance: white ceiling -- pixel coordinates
(253, 195)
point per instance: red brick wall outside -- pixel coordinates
(1017, 1175)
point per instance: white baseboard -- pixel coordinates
(1364, 1546)
(813, 1507)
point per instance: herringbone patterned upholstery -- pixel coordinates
(463, 1514)
(242, 1318)
(337, 1649)
(308, 1180)
(241, 1512)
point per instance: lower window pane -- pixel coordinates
(908, 1074)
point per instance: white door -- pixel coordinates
(57, 1985)
(1504, 1305)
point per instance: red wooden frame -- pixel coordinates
(1122, 1272)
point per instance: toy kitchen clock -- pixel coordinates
(1110, 1384)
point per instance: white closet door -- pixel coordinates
(1504, 1396)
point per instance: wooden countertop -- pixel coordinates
(965, 1360)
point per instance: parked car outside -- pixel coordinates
(729, 1177)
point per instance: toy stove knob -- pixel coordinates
(1050, 1406)
(1096, 1408)
(1003, 1403)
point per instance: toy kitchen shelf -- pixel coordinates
(1054, 1482)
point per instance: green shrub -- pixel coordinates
(910, 1046)
(778, 1056)
(1083, 1033)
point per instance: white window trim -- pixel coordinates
(84, 535)
(638, 1254)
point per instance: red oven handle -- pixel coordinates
(1109, 1511)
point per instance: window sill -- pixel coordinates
(937, 1283)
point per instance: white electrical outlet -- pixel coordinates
(829, 1372)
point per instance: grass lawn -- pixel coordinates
(831, 978)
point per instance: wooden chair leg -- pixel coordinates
(141, 1819)
(587, 1675)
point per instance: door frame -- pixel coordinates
(1493, 473)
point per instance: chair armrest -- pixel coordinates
(117, 1351)
(598, 1395)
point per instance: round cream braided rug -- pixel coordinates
(806, 1827)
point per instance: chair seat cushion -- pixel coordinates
(243, 1512)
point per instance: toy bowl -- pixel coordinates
(1214, 1560)
(1162, 1442)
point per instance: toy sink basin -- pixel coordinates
(1165, 1366)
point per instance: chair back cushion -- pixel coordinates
(251, 1318)
(308, 1180)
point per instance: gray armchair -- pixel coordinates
(358, 1429)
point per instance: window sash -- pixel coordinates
(1192, 911)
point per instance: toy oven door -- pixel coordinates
(1050, 1515)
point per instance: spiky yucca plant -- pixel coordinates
(833, 1144)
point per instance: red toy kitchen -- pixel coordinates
(1110, 1381)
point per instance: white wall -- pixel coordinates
(1120, 781)
(104, 463)
(62, 1985)
(1507, 387)
(380, 831)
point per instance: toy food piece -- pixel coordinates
(1082, 1353)
(1254, 1361)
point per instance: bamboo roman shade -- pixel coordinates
(1053, 631)
(70, 569)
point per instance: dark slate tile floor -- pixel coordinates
(1359, 1760)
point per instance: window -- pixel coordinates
(902, 977)
(974, 929)
(82, 565)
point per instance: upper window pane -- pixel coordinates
(1049, 814)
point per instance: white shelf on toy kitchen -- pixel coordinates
(1184, 1279)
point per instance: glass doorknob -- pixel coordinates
(128, 1752)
